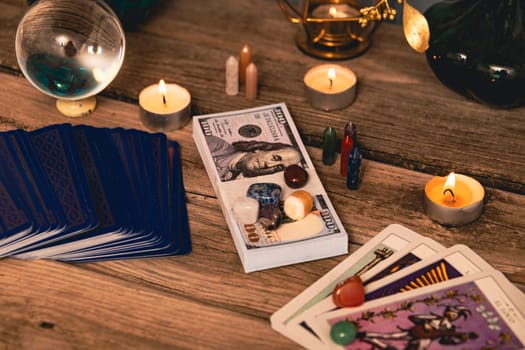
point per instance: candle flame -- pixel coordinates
(331, 73)
(333, 12)
(162, 90)
(449, 186)
(331, 76)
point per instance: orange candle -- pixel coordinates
(251, 82)
(244, 60)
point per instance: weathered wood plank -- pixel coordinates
(49, 305)
(165, 302)
(387, 194)
(405, 116)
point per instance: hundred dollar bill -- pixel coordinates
(235, 138)
(244, 147)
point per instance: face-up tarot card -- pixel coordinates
(450, 263)
(480, 311)
(402, 260)
(377, 252)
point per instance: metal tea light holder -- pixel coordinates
(336, 29)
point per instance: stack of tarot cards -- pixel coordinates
(79, 193)
(418, 295)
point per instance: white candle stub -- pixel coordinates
(164, 107)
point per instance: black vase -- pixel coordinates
(477, 48)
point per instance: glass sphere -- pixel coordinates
(70, 49)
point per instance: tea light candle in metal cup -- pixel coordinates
(164, 107)
(454, 200)
(329, 87)
(335, 29)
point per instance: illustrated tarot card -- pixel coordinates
(479, 311)
(413, 254)
(456, 261)
(376, 251)
(453, 262)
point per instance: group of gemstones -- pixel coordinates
(262, 203)
(348, 293)
(350, 166)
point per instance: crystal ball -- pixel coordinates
(70, 49)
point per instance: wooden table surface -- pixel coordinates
(410, 127)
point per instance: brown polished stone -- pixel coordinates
(295, 176)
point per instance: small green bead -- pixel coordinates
(343, 332)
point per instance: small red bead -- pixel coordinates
(350, 292)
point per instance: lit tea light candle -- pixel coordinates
(454, 200)
(334, 11)
(164, 107)
(330, 87)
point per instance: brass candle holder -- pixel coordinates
(336, 29)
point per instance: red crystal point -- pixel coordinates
(346, 147)
(350, 292)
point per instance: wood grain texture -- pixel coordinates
(405, 116)
(410, 127)
(62, 306)
(147, 301)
